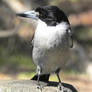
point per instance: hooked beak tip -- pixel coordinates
(20, 14)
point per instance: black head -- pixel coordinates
(51, 15)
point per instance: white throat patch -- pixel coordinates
(47, 36)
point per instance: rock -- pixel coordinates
(31, 86)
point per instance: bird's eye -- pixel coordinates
(43, 15)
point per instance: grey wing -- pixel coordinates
(32, 40)
(70, 37)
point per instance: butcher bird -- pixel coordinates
(51, 42)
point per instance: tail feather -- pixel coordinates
(43, 78)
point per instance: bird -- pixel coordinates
(51, 42)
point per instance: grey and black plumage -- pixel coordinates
(51, 42)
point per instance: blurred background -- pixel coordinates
(16, 35)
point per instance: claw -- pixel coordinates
(60, 87)
(39, 87)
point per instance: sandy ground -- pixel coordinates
(82, 84)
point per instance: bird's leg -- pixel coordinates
(60, 83)
(38, 73)
(60, 86)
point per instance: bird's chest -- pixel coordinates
(47, 37)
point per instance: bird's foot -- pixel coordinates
(39, 87)
(61, 88)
